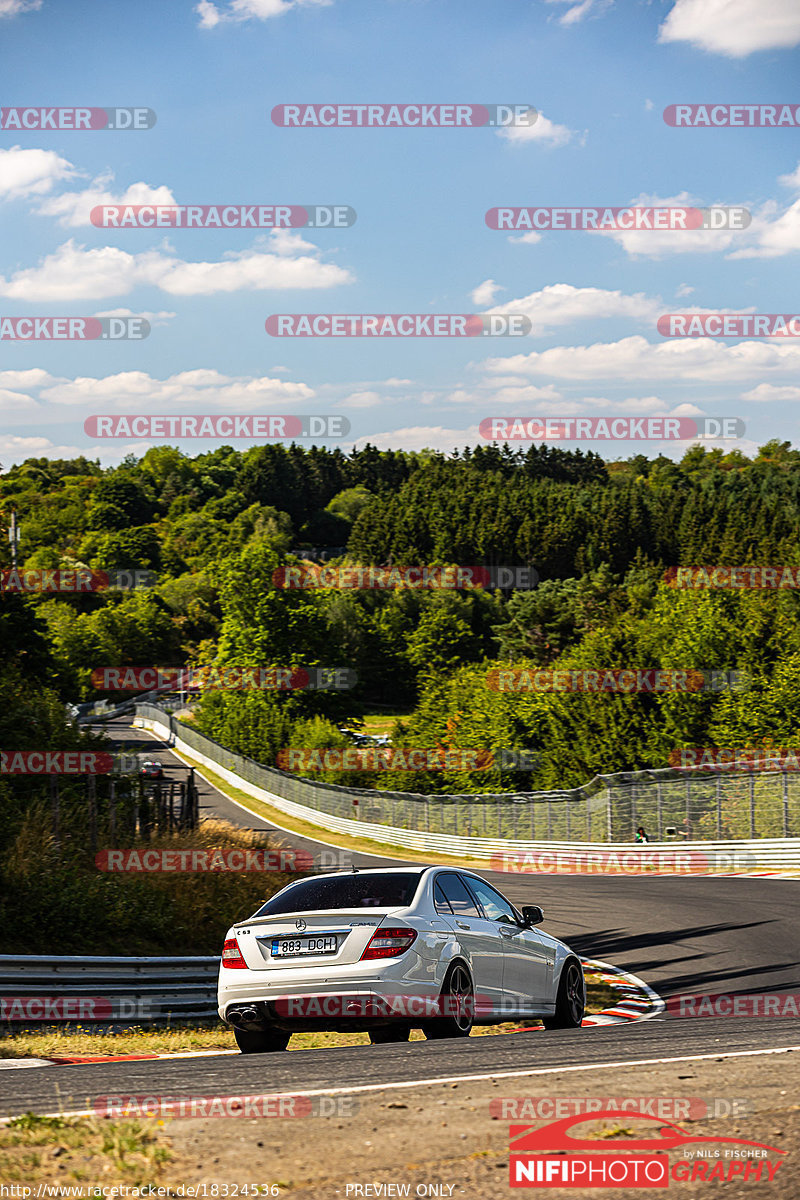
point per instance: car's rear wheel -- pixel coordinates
(389, 1033)
(261, 1041)
(458, 1007)
(570, 1000)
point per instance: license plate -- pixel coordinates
(296, 947)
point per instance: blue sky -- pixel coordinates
(600, 75)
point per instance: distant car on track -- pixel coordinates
(388, 950)
(151, 770)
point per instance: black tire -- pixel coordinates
(389, 1033)
(458, 1003)
(570, 1000)
(261, 1041)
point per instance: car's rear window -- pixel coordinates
(344, 891)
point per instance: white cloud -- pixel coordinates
(500, 395)
(562, 304)
(584, 8)
(655, 243)
(136, 391)
(31, 172)
(34, 377)
(365, 399)
(793, 180)
(772, 239)
(485, 293)
(423, 437)
(684, 289)
(635, 358)
(74, 273)
(11, 8)
(768, 392)
(733, 27)
(542, 130)
(155, 318)
(527, 239)
(74, 209)
(212, 15)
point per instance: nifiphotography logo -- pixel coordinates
(633, 1162)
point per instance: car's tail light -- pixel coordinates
(389, 942)
(232, 955)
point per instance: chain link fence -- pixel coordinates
(689, 805)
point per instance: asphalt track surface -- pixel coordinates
(681, 935)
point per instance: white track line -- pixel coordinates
(415, 1083)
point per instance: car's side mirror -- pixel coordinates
(532, 915)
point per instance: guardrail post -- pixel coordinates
(785, 803)
(752, 805)
(659, 810)
(569, 807)
(549, 821)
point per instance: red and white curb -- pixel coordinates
(639, 1002)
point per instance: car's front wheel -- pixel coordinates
(570, 1000)
(261, 1041)
(457, 1003)
(389, 1033)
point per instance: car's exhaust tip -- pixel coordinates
(244, 1018)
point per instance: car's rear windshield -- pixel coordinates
(344, 891)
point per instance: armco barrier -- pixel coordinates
(732, 856)
(96, 989)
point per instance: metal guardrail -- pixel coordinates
(726, 856)
(695, 806)
(95, 989)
